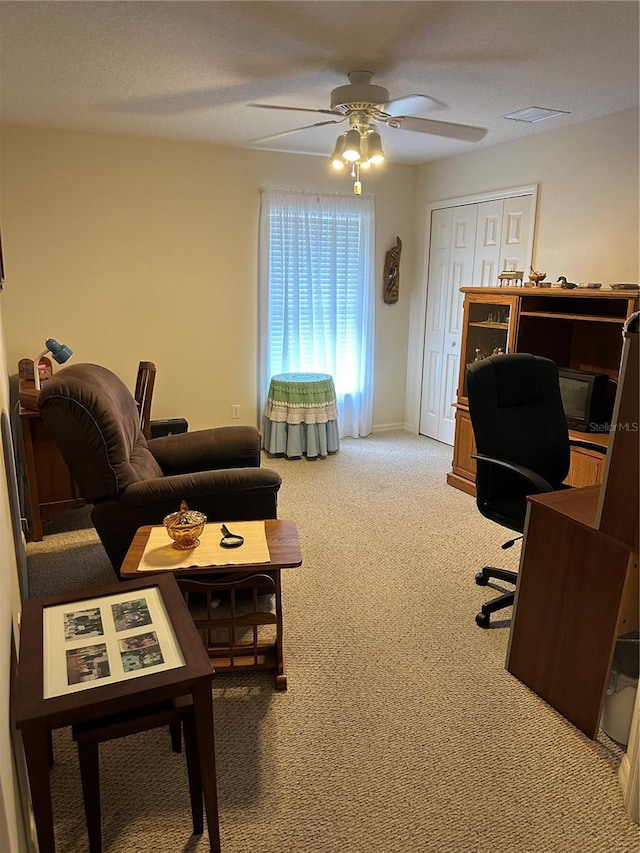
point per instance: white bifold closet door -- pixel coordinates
(470, 244)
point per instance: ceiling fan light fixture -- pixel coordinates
(336, 158)
(352, 151)
(365, 162)
(374, 148)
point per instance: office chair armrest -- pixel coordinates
(539, 482)
(588, 445)
(207, 449)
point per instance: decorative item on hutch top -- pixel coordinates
(511, 277)
(536, 278)
(567, 285)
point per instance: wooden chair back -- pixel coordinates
(143, 394)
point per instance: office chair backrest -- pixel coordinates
(517, 416)
(95, 422)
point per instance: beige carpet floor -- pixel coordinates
(401, 730)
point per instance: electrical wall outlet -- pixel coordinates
(235, 410)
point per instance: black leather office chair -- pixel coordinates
(522, 443)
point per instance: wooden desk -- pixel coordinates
(577, 591)
(578, 585)
(37, 715)
(213, 582)
(51, 486)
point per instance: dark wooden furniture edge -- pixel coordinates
(78, 706)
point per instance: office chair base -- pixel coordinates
(501, 601)
(488, 572)
(482, 620)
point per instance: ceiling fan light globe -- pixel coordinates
(352, 151)
(339, 148)
(374, 147)
(337, 164)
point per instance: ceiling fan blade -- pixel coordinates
(464, 132)
(296, 109)
(410, 104)
(295, 130)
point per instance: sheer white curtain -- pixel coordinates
(317, 295)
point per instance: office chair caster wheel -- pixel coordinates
(481, 579)
(482, 620)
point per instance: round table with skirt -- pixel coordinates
(300, 416)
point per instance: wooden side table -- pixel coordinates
(257, 579)
(301, 416)
(87, 655)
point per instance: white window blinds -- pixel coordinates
(316, 280)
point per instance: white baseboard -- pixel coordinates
(391, 428)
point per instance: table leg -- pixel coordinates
(36, 741)
(89, 761)
(280, 677)
(203, 719)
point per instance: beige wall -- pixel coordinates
(128, 249)
(154, 243)
(587, 223)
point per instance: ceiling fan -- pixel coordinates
(363, 103)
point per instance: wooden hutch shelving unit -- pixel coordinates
(579, 329)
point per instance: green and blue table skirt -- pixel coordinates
(301, 416)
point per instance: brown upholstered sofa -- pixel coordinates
(133, 482)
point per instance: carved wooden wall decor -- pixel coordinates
(391, 284)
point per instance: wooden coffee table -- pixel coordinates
(207, 589)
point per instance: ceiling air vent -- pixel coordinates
(532, 114)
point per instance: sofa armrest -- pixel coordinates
(207, 450)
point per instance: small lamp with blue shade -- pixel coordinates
(59, 352)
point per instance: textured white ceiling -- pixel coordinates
(188, 70)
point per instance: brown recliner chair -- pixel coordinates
(132, 482)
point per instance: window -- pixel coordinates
(316, 283)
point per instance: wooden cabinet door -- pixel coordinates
(463, 471)
(586, 468)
